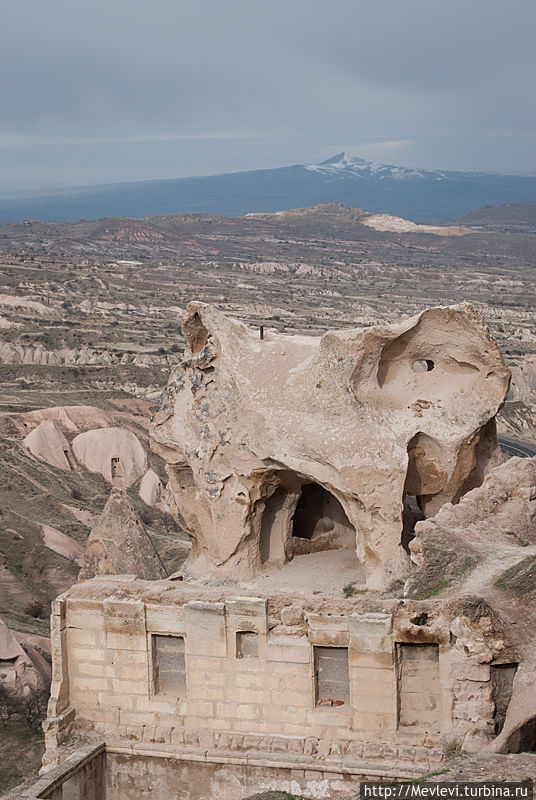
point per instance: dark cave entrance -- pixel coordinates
(411, 515)
(423, 479)
(69, 458)
(303, 518)
(319, 522)
(524, 739)
(312, 516)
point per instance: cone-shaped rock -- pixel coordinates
(119, 544)
(9, 647)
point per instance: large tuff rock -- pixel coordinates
(288, 444)
(119, 544)
(10, 649)
(114, 452)
(48, 443)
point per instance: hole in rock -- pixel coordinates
(524, 739)
(320, 522)
(115, 467)
(502, 680)
(69, 458)
(423, 365)
(411, 514)
(271, 544)
(306, 518)
(420, 619)
(483, 452)
(312, 517)
(318, 512)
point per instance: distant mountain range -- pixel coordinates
(416, 194)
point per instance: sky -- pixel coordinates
(122, 90)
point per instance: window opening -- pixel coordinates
(332, 680)
(247, 644)
(169, 666)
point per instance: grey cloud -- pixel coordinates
(212, 85)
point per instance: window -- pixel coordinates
(169, 668)
(247, 644)
(115, 467)
(418, 687)
(332, 682)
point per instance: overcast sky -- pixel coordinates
(95, 91)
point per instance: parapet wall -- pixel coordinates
(82, 776)
(237, 680)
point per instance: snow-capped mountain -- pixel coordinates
(343, 165)
(416, 194)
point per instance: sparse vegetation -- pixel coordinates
(451, 749)
(447, 563)
(21, 751)
(443, 584)
(519, 579)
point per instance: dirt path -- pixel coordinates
(500, 557)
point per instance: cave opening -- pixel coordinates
(272, 547)
(310, 517)
(69, 458)
(423, 365)
(303, 518)
(411, 514)
(319, 522)
(502, 681)
(523, 740)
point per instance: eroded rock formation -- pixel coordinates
(48, 443)
(114, 452)
(23, 671)
(119, 544)
(284, 445)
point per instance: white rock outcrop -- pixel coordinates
(150, 490)
(114, 452)
(48, 443)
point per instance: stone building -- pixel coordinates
(311, 640)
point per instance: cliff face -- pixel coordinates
(284, 445)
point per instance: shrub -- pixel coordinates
(35, 609)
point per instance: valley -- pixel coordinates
(90, 317)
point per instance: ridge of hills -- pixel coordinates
(418, 194)
(501, 232)
(505, 217)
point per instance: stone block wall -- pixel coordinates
(237, 687)
(217, 682)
